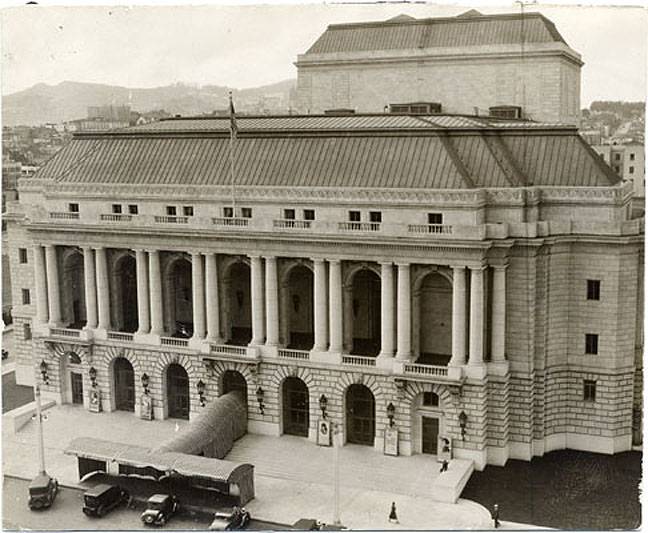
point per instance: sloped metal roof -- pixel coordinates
(479, 30)
(384, 151)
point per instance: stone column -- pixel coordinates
(103, 296)
(155, 292)
(336, 318)
(53, 292)
(40, 278)
(476, 354)
(90, 279)
(458, 316)
(387, 310)
(212, 303)
(198, 296)
(272, 301)
(256, 289)
(404, 316)
(349, 319)
(320, 307)
(498, 322)
(143, 309)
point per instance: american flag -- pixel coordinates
(233, 125)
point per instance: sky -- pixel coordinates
(246, 46)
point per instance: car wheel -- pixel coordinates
(162, 521)
(101, 511)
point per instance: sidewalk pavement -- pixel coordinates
(292, 476)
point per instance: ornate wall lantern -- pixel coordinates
(43, 371)
(391, 411)
(463, 420)
(200, 386)
(260, 393)
(145, 383)
(323, 402)
(93, 376)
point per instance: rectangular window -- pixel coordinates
(187, 210)
(22, 255)
(26, 297)
(116, 209)
(589, 390)
(617, 157)
(617, 169)
(309, 214)
(354, 216)
(591, 343)
(228, 212)
(246, 212)
(27, 332)
(289, 214)
(430, 399)
(435, 218)
(630, 170)
(632, 157)
(133, 209)
(593, 289)
(171, 210)
(375, 216)
(73, 208)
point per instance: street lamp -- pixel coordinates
(391, 410)
(43, 371)
(260, 393)
(201, 392)
(336, 430)
(463, 420)
(145, 383)
(93, 376)
(323, 402)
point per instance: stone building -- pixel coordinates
(468, 64)
(468, 278)
(628, 161)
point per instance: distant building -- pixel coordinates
(111, 113)
(628, 161)
(468, 64)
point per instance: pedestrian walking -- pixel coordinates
(393, 517)
(444, 466)
(495, 515)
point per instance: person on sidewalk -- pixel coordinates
(495, 515)
(444, 466)
(393, 518)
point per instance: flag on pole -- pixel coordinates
(233, 125)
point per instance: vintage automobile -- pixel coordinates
(42, 491)
(237, 518)
(101, 498)
(307, 524)
(159, 509)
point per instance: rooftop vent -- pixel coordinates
(339, 112)
(416, 108)
(469, 14)
(401, 18)
(505, 111)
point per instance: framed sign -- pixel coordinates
(323, 432)
(146, 407)
(391, 441)
(95, 401)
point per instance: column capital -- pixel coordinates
(335, 261)
(386, 263)
(477, 268)
(152, 250)
(194, 253)
(458, 267)
(400, 264)
(49, 245)
(254, 256)
(269, 257)
(86, 247)
(317, 259)
(500, 267)
(98, 247)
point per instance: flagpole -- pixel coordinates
(231, 154)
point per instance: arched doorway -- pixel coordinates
(295, 407)
(239, 305)
(124, 381)
(435, 320)
(126, 280)
(365, 308)
(177, 392)
(234, 381)
(360, 415)
(428, 423)
(74, 304)
(298, 308)
(179, 299)
(72, 368)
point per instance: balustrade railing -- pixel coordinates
(426, 370)
(358, 360)
(168, 219)
(120, 336)
(227, 349)
(174, 341)
(64, 215)
(116, 217)
(65, 332)
(231, 222)
(285, 353)
(359, 226)
(292, 224)
(429, 228)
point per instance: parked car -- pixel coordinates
(102, 498)
(42, 491)
(237, 518)
(159, 509)
(307, 524)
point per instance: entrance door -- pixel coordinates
(295, 407)
(76, 381)
(430, 434)
(124, 385)
(178, 392)
(361, 415)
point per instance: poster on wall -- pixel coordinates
(95, 401)
(146, 407)
(391, 441)
(323, 432)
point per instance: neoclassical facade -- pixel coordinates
(451, 277)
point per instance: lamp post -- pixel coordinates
(463, 420)
(323, 402)
(39, 428)
(260, 393)
(201, 392)
(336, 481)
